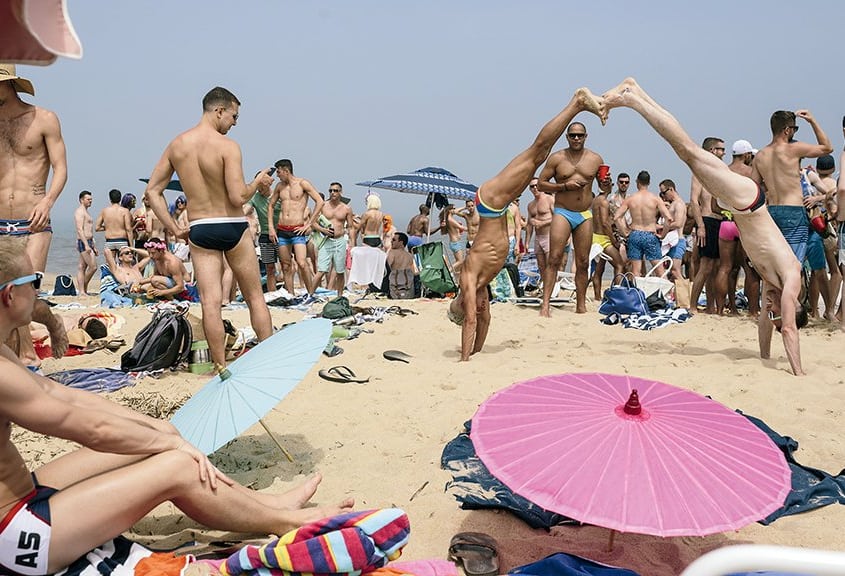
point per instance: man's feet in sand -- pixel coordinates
(545, 311)
(615, 97)
(591, 103)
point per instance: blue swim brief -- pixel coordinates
(794, 224)
(642, 243)
(80, 245)
(19, 227)
(287, 236)
(575, 219)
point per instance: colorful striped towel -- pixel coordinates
(354, 543)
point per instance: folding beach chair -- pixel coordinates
(435, 270)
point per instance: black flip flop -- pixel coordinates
(341, 374)
(397, 355)
(475, 552)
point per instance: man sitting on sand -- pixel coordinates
(471, 309)
(129, 464)
(169, 276)
(771, 255)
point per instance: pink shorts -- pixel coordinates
(728, 231)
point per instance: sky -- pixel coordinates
(356, 90)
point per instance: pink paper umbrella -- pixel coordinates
(671, 463)
(36, 31)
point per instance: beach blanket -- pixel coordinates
(562, 564)
(656, 319)
(118, 557)
(354, 543)
(811, 488)
(476, 488)
(94, 379)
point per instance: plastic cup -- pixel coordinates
(604, 172)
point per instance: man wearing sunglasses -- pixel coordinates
(129, 463)
(573, 170)
(210, 169)
(767, 249)
(776, 167)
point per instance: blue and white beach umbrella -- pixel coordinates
(426, 181)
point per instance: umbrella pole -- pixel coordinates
(610, 541)
(282, 448)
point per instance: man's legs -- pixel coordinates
(37, 247)
(727, 257)
(244, 266)
(208, 267)
(300, 252)
(286, 260)
(85, 271)
(92, 511)
(559, 233)
(582, 241)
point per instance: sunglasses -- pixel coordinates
(773, 317)
(532, 186)
(333, 190)
(576, 136)
(34, 279)
(722, 148)
(794, 128)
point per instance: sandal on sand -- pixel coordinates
(476, 553)
(341, 374)
(397, 355)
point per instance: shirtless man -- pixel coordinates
(573, 170)
(603, 235)
(707, 224)
(644, 207)
(333, 250)
(777, 168)
(471, 309)
(731, 253)
(472, 219)
(292, 230)
(371, 224)
(453, 229)
(515, 226)
(170, 275)
(129, 464)
(768, 251)
(85, 242)
(116, 221)
(418, 227)
(539, 223)
(678, 210)
(211, 172)
(31, 145)
(840, 227)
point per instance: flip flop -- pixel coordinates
(341, 374)
(397, 355)
(475, 552)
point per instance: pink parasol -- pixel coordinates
(669, 463)
(36, 31)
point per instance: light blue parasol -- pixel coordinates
(426, 181)
(251, 386)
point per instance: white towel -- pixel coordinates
(368, 266)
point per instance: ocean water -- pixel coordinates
(63, 257)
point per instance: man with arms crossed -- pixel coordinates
(573, 170)
(539, 223)
(85, 242)
(768, 251)
(333, 250)
(210, 170)
(129, 463)
(777, 167)
(30, 145)
(644, 207)
(471, 309)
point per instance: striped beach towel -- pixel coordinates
(354, 543)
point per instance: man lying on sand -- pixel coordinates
(771, 255)
(129, 463)
(471, 309)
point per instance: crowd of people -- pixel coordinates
(751, 213)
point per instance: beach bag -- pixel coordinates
(163, 343)
(623, 297)
(501, 287)
(683, 294)
(401, 284)
(653, 281)
(64, 286)
(337, 308)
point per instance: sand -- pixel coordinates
(381, 442)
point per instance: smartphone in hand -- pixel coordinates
(271, 171)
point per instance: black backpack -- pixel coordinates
(163, 343)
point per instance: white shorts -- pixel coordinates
(25, 534)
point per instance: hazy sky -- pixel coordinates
(357, 89)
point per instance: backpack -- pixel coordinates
(401, 284)
(64, 286)
(163, 343)
(337, 308)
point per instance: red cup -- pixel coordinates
(818, 224)
(604, 172)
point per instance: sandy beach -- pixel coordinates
(381, 442)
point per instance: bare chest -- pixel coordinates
(20, 137)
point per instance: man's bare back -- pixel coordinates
(116, 221)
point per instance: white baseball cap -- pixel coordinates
(741, 147)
